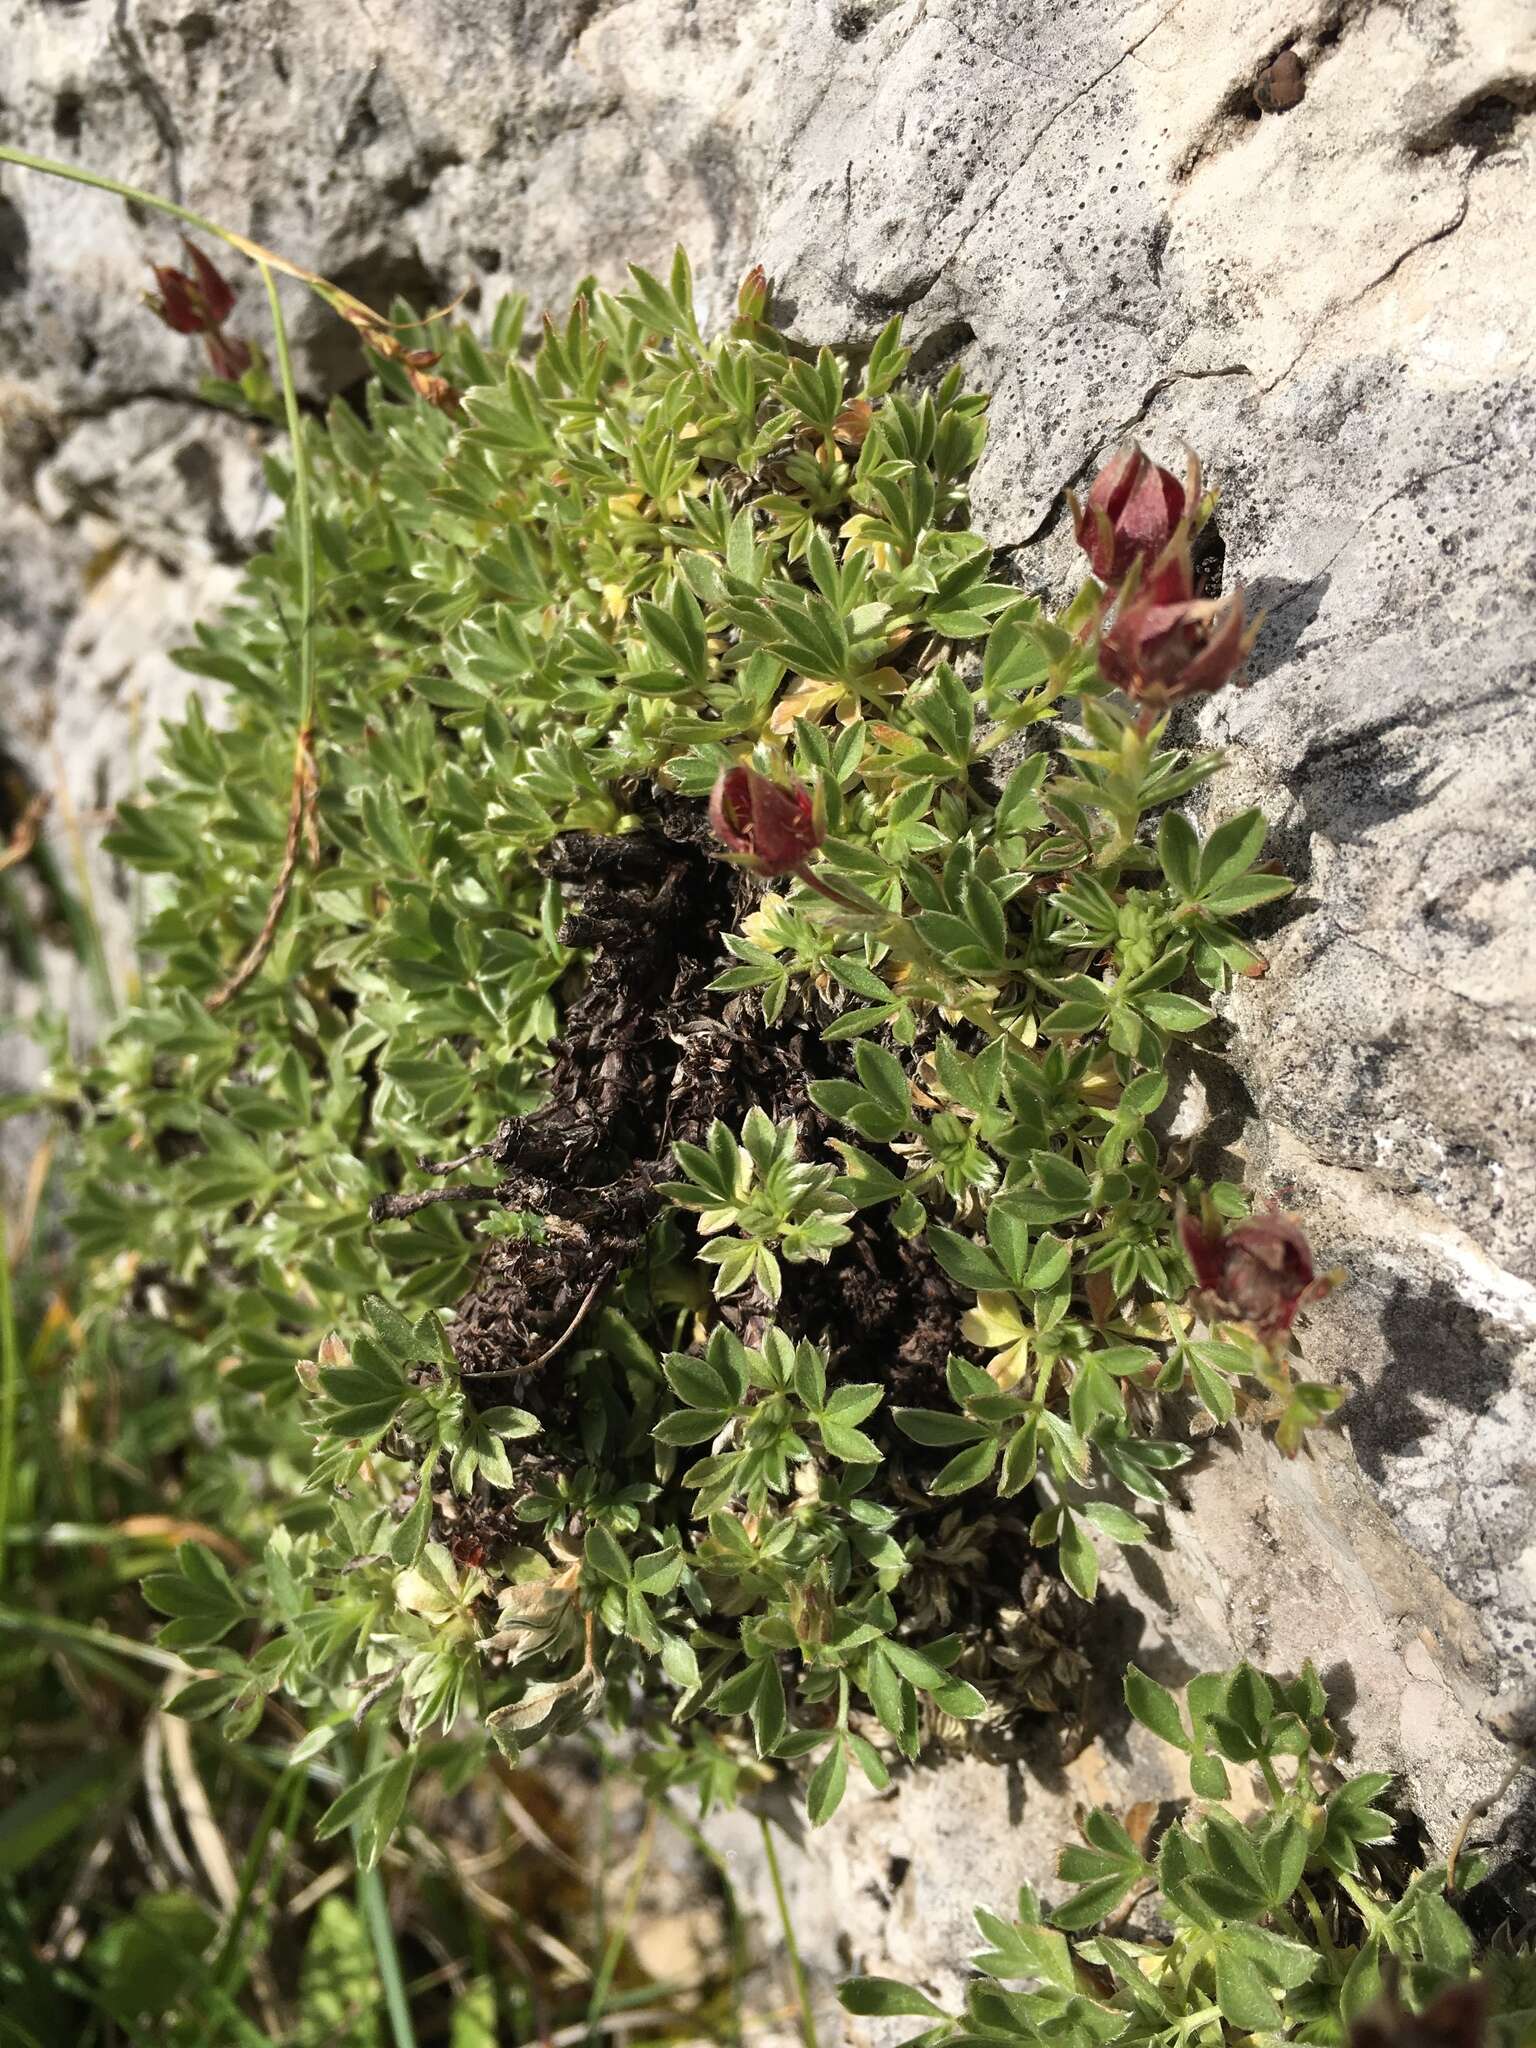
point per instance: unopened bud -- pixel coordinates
(1132, 512)
(772, 827)
(752, 294)
(1259, 1271)
(1167, 644)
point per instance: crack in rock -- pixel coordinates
(1427, 241)
(1428, 476)
(1166, 383)
(1411, 973)
(102, 407)
(1094, 453)
(1443, 233)
(154, 101)
(990, 207)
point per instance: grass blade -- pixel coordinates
(375, 1911)
(791, 1946)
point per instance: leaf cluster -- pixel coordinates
(1272, 1925)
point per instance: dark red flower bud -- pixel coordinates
(1167, 644)
(199, 304)
(1258, 1272)
(767, 824)
(215, 293)
(1454, 2018)
(228, 356)
(1133, 511)
(177, 303)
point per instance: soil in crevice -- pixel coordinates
(648, 1056)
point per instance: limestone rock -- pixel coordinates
(1107, 214)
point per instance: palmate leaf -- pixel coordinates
(966, 1262)
(199, 1596)
(370, 1807)
(364, 1396)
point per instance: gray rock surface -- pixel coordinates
(1088, 205)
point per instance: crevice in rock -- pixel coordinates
(196, 29)
(68, 115)
(15, 249)
(583, 15)
(1157, 245)
(935, 353)
(1236, 111)
(872, 305)
(1482, 121)
(1247, 99)
(29, 436)
(103, 406)
(362, 122)
(378, 276)
(412, 185)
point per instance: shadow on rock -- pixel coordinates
(1349, 783)
(1289, 608)
(1217, 1148)
(1438, 1349)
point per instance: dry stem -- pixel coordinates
(301, 830)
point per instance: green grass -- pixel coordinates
(123, 1921)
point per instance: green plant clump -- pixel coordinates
(502, 1228)
(1301, 1921)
